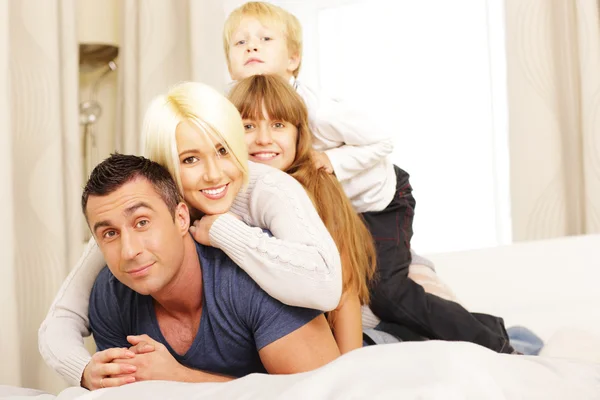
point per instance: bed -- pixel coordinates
(419, 370)
(549, 286)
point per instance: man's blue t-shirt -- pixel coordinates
(238, 317)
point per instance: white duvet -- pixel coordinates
(418, 370)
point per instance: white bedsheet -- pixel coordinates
(421, 370)
(545, 285)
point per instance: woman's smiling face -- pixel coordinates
(209, 176)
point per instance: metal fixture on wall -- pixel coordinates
(98, 34)
(93, 57)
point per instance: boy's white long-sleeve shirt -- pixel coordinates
(357, 148)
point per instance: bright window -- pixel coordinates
(432, 72)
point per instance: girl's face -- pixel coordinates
(209, 176)
(271, 142)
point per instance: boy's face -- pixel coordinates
(257, 49)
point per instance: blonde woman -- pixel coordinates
(197, 134)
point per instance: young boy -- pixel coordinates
(261, 38)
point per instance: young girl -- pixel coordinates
(197, 134)
(277, 134)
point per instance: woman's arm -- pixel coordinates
(60, 337)
(300, 264)
(347, 323)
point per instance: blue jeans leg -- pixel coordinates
(525, 341)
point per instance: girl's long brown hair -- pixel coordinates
(353, 239)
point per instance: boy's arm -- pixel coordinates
(308, 347)
(347, 323)
(362, 142)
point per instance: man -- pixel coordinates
(188, 311)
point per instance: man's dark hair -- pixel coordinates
(119, 169)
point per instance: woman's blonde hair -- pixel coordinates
(353, 239)
(267, 14)
(201, 106)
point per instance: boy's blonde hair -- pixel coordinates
(267, 14)
(204, 108)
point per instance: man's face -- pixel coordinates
(142, 245)
(256, 49)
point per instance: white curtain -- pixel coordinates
(553, 50)
(40, 178)
(162, 43)
(10, 371)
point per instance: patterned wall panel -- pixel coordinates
(553, 77)
(46, 165)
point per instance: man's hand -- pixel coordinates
(152, 360)
(140, 346)
(102, 371)
(321, 161)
